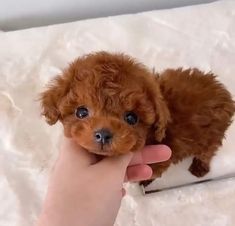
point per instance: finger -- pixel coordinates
(71, 151)
(138, 173)
(151, 154)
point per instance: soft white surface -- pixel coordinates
(198, 36)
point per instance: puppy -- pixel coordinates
(110, 105)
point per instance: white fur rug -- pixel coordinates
(199, 36)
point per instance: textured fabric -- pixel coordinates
(199, 36)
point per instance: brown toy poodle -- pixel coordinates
(111, 104)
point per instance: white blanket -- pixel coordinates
(198, 36)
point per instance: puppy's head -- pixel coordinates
(108, 103)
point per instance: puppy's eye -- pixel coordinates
(131, 118)
(81, 112)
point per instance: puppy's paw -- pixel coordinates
(145, 183)
(199, 168)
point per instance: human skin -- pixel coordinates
(85, 191)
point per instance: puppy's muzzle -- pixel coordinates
(103, 136)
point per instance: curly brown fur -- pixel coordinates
(185, 109)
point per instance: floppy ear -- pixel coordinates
(59, 88)
(51, 98)
(162, 112)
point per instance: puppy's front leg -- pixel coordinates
(201, 164)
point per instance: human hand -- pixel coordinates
(86, 192)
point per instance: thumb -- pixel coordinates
(116, 165)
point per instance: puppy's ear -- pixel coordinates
(52, 97)
(162, 112)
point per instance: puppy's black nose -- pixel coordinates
(103, 136)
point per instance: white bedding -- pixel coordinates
(199, 36)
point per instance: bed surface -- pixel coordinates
(200, 36)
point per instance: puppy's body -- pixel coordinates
(110, 105)
(201, 110)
